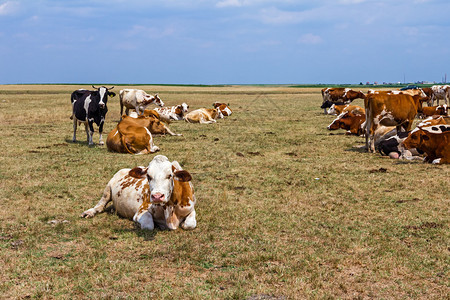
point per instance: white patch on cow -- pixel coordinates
(117, 131)
(87, 101)
(436, 161)
(185, 107)
(345, 92)
(436, 128)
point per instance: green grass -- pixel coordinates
(285, 209)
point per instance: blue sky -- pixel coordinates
(223, 41)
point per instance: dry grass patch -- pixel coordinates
(286, 210)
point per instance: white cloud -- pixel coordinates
(151, 32)
(229, 3)
(7, 8)
(310, 39)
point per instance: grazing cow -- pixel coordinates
(389, 109)
(138, 100)
(203, 116)
(428, 111)
(332, 96)
(89, 107)
(440, 92)
(338, 109)
(224, 108)
(433, 140)
(161, 194)
(350, 122)
(172, 112)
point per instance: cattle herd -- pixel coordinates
(386, 121)
(164, 191)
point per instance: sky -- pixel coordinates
(224, 41)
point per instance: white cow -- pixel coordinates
(138, 100)
(160, 194)
(440, 92)
(175, 112)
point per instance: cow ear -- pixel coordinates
(138, 172)
(111, 94)
(183, 175)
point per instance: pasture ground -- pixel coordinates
(286, 209)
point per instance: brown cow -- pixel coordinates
(433, 140)
(203, 116)
(389, 109)
(350, 122)
(224, 108)
(338, 109)
(428, 111)
(332, 96)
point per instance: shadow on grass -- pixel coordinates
(359, 149)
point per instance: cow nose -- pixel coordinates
(157, 198)
(102, 106)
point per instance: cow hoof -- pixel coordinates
(90, 213)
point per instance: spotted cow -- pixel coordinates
(332, 96)
(175, 112)
(161, 194)
(224, 108)
(138, 100)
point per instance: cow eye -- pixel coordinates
(169, 176)
(149, 177)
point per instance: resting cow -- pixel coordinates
(138, 100)
(433, 140)
(224, 108)
(89, 107)
(172, 112)
(338, 109)
(428, 111)
(389, 109)
(332, 96)
(350, 122)
(203, 116)
(161, 194)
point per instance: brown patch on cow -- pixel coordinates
(182, 193)
(380, 170)
(137, 172)
(183, 175)
(178, 110)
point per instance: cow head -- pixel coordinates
(415, 139)
(104, 93)
(185, 107)
(160, 174)
(158, 101)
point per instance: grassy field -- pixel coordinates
(286, 209)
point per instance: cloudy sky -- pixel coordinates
(223, 41)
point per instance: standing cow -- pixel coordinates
(89, 107)
(138, 100)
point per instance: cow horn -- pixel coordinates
(94, 87)
(111, 88)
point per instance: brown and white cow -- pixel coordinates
(350, 122)
(224, 108)
(440, 92)
(433, 140)
(161, 194)
(203, 116)
(132, 136)
(389, 109)
(138, 100)
(338, 109)
(428, 111)
(176, 112)
(332, 96)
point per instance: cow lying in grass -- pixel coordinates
(161, 194)
(203, 116)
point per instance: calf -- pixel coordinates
(433, 140)
(172, 112)
(224, 108)
(161, 194)
(89, 107)
(203, 116)
(350, 122)
(428, 111)
(138, 100)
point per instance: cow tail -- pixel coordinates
(124, 143)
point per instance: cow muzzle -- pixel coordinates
(102, 106)
(157, 198)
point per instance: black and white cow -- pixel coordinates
(89, 107)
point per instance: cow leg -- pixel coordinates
(171, 132)
(127, 111)
(152, 148)
(190, 222)
(90, 133)
(75, 123)
(100, 131)
(145, 219)
(100, 207)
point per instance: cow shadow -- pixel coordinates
(358, 149)
(82, 142)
